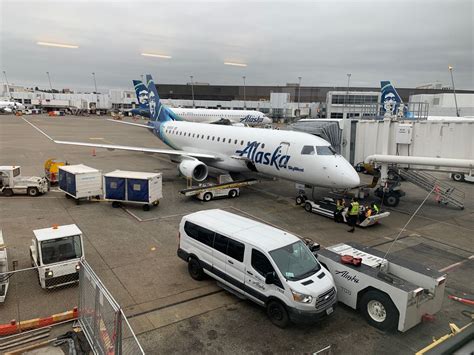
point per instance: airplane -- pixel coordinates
(247, 117)
(294, 156)
(9, 106)
(392, 104)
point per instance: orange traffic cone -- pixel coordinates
(93, 152)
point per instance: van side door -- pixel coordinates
(235, 267)
(255, 274)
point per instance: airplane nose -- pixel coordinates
(347, 177)
(267, 120)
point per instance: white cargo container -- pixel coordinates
(133, 187)
(80, 181)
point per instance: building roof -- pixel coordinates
(56, 232)
(243, 229)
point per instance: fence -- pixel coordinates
(36, 299)
(101, 318)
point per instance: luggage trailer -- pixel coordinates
(327, 207)
(207, 192)
(391, 294)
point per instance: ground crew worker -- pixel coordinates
(375, 208)
(340, 205)
(353, 214)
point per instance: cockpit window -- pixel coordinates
(325, 150)
(307, 150)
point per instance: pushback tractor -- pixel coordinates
(13, 183)
(56, 252)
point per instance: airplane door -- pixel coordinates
(285, 148)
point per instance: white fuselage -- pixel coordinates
(248, 117)
(272, 152)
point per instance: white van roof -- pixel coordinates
(243, 229)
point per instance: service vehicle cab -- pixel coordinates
(57, 252)
(12, 182)
(390, 293)
(252, 260)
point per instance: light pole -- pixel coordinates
(299, 94)
(50, 86)
(96, 93)
(192, 88)
(245, 100)
(8, 85)
(454, 90)
(347, 90)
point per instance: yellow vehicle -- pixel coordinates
(51, 167)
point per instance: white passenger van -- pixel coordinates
(253, 260)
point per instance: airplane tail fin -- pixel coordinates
(142, 94)
(158, 112)
(390, 100)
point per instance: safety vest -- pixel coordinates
(354, 209)
(376, 208)
(339, 206)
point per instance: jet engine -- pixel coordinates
(194, 169)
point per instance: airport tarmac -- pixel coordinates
(134, 252)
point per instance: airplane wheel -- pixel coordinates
(308, 207)
(207, 197)
(300, 199)
(392, 200)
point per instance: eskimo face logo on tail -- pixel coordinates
(152, 105)
(253, 151)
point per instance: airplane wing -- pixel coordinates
(169, 152)
(131, 124)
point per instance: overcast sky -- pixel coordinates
(407, 42)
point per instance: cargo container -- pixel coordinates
(80, 182)
(133, 187)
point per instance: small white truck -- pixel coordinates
(391, 294)
(57, 252)
(225, 187)
(12, 182)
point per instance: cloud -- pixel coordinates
(408, 42)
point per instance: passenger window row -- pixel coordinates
(223, 244)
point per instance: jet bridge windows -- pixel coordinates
(307, 150)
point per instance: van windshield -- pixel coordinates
(57, 250)
(295, 261)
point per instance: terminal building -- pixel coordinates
(279, 102)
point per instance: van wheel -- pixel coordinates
(207, 197)
(308, 207)
(8, 192)
(233, 193)
(379, 310)
(32, 191)
(278, 314)
(195, 269)
(457, 177)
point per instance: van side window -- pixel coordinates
(236, 250)
(260, 263)
(220, 243)
(199, 233)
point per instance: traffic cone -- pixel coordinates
(93, 152)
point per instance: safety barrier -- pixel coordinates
(16, 327)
